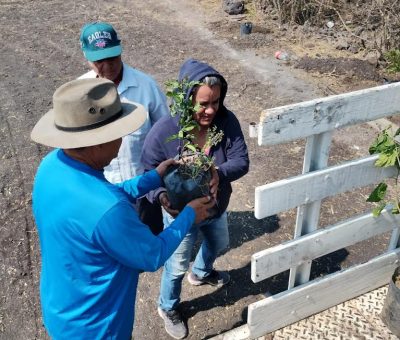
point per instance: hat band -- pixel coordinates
(90, 126)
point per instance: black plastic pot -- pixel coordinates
(183, 188)
(246, 28)
(391, 308)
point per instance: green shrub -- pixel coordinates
(388, 149)
(393, 59)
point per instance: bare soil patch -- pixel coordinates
(350, 68)
(332, 54)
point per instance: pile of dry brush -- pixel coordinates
(375, 24)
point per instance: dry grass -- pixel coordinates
(375, 24)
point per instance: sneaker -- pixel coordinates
(173, 323)
(215, 278)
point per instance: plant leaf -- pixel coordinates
(189, 127)
(386, 159)
(377, 210)
(395, 211)
(378, 194)
(382, 143)
(172, 137)
(191, 147)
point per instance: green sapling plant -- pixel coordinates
(194, 158)
(190, 179)
(389, 155)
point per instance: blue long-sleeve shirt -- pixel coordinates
(93, 247)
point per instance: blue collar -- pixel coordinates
(79, 165)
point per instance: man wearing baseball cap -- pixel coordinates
(93, 245)
(101, 47)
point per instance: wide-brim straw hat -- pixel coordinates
(87, 112)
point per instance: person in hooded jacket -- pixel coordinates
(231, 162)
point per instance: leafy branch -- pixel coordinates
(389, 155)
(194, 157)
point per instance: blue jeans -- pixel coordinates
(216, 239)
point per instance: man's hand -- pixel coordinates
(162, 167)
(214, 183)
(201, 206)
(164, 201)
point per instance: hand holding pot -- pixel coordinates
(201, 206)
(164, 201)
(162, 167)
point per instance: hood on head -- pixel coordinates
(195, 70)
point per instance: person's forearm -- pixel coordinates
(171, 237)
(140, 185)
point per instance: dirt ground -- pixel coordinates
(40, 51)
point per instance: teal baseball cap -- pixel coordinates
(99, 41)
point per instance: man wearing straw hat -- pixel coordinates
(93, 245)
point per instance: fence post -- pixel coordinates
(315, 158)
(394, 239)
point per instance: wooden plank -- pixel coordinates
(274, 260)
(315, 158)
(238, 333)
(303, 189)
(394, 239)
(286, 123)
(288, 307)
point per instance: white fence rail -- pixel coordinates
(286, 123)
(316, 120)
(274, 260)
(316, 185)
(300, 302)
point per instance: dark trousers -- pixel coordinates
(150, 214)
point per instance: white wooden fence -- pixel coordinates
(316, 120)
